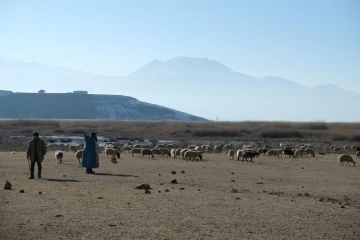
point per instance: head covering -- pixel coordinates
(93, 135)
(36, 134)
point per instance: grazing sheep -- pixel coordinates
(272, 152)
(299, 153)
(165, 152)
(79, 155)
(137, 146)
(59, 156)
(358, 154)
(261, 151)
(344, 158)
(310, 151)
(112, 152)
(354, 147)
(157, 152)
(177, 152)
(228, 146)
(288, 148)
(147, 152)
(160, 146)
(249, 154)
(192, 155)
(72, 148)
(288, 153)
(217, 148)
(170, 146)
(239, 154)
(127, 149)
(116, 147)
(231, 154)
(173, 150)
(337, 149)
(135, 151)
(182, 153)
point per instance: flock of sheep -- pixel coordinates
(195, 152)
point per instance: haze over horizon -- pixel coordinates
(261, 47)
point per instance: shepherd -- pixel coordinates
(35, 153)
(90, 158)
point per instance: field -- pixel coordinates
(215, 198)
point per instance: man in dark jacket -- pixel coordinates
(36, 151)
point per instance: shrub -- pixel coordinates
(338, 137)
(354, 138)
(280, 133)
(215, 133)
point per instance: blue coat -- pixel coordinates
(90, 156)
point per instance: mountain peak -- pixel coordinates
(205, 64)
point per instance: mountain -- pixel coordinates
(199, 86)
(84, 106)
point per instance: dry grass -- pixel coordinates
(185, 130)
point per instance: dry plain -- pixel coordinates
(215, 198)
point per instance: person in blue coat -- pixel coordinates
(90, 158)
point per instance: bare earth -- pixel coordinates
(267, 199)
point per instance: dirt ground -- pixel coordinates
(220, 199)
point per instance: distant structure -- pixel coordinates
(41, 91)
(80, 92)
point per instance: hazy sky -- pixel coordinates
(309, 41)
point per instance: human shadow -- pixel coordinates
(114, 175)
(60, 180)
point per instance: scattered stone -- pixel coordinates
(291, 200)
(182, 188)
(161, 184)
(64, 175)
(182, 171)
(8, 185)
(237, 198)
(302, 168)
(143, 186)
(234, 190)
(167, 190)
(302, 186)
(341, 206)
(232, 180)
(147, 191)
(347, 204)
(21, 191)
(174, 181)
(58, 215)
(321, 200)
(199, 190)
(259, 183)
(99, 198)
(232, 173)
(40, 192)
(173, 172)
(159, 174)
(128, 203)
(112, 225)
(159, 191)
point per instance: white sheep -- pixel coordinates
(191, 155)
(358, 154)
(231, 154)
(345, 158)
(310, 151)
(299, 153)
(79, 155)
(135, 151)
(59, 156)
(272, 152)
(239, 154)
(112, 152)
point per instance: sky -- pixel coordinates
(310, 42)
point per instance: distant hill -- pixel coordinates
(84, 106)
(198, 86)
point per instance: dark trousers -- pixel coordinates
(33, 168)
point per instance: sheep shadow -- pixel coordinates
(114, 175)
(60, 180)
